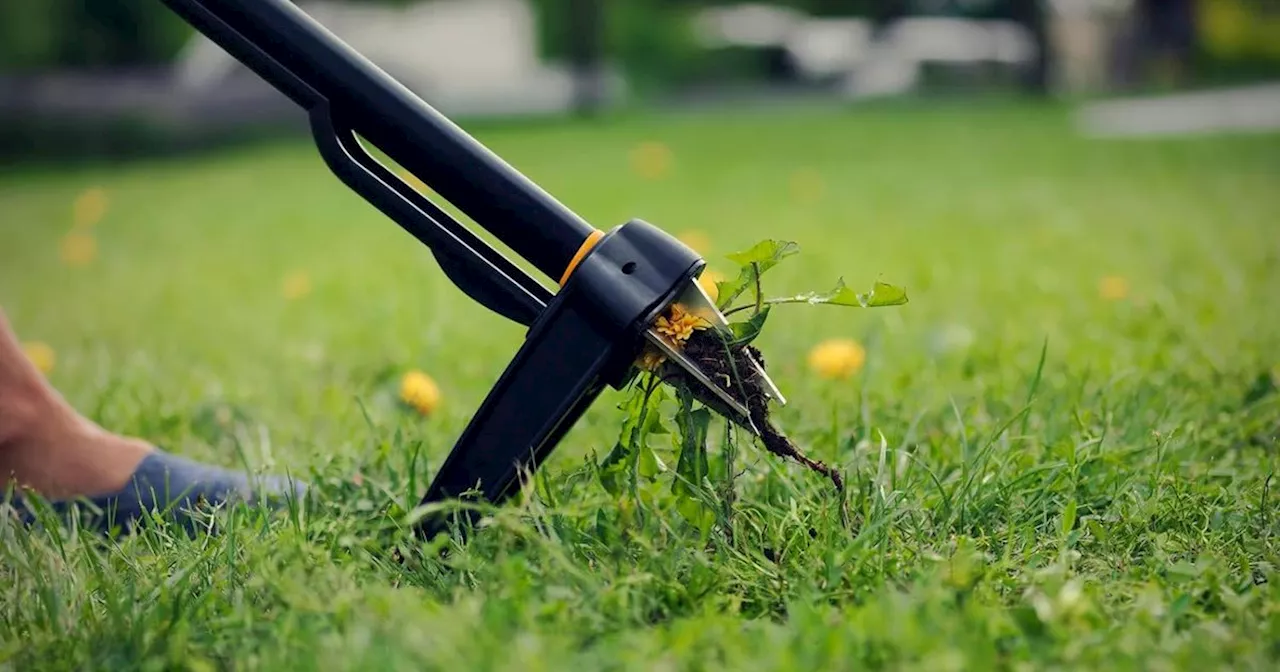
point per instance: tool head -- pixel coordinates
(693, 298)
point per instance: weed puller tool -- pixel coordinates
(612, 285)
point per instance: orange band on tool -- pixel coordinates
(592, 238)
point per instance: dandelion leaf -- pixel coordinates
(611, 472)
(648, 464)
(746, 331)
(692, 469)
(692, 466)
(882, 294)
(753, 262)
(631, 456)
(766, 253)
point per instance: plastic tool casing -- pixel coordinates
(587, 338)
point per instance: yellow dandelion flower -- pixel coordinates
(88, 208)
(650, 359)
(296, 285)
(708, 281)
(837, 358)
(807, 186)
(651, 160)
(41, 355)
(1113, 288)
(420, 392)
(698, 241)
(679, 324)
(77, 249)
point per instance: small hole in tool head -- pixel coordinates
(629, 267)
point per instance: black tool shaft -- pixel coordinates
(312, 66)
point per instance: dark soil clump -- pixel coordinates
(728, 366)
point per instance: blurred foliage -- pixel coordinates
(1239, 41)
(74, 33)
(1233, 29)
(652, 40)
(650, 37)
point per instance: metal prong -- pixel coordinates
(695, 300)
(772, 389)
(675, 355)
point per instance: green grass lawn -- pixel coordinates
(1110, 507)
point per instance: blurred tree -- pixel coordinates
(119, 33)
(1237, 40)
(1032, 15)
(44, 34)
(884, 12)
(586, 52)
(28, 33)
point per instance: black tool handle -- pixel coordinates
(312, 66)
(556, 375)
(477, 269)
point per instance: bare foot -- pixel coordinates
(45, 445)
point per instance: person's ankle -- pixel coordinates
(20, 417)
(58, 457)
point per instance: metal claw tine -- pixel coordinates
(696, 301)
(675, 355)
(771, 388)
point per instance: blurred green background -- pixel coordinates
(59, 45)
